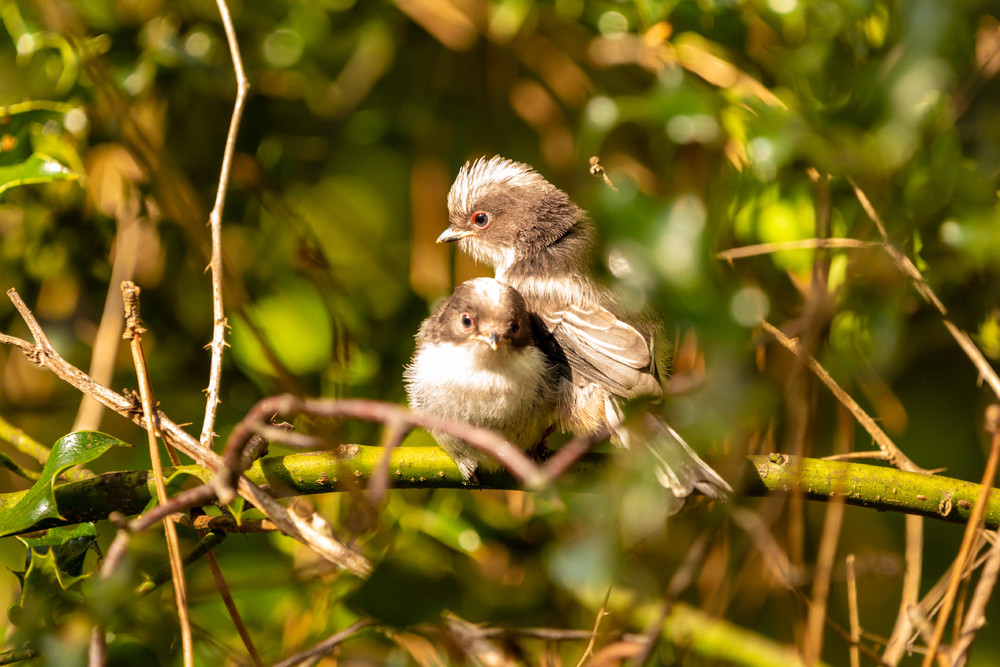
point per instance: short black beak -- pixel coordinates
(451, 234)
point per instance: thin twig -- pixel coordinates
(215, 221)
(43, 354)
(802, 244)
(482, 439)
(601, 613)
(976, 618)
(827, 555)
(852, 609)
(911, 590)
(108, 338)
(971, 528)
(907, 266)
(133, 333)
(326, 646)
(896, 456)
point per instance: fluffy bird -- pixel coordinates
(478, 360)
(505, 214)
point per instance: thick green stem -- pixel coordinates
(352, 466)
(877, 487)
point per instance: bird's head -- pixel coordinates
(485, 314)
(501, 211)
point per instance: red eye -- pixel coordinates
(481, 219)
(466, 321)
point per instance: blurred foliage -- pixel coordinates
(721, 124)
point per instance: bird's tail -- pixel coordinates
(679, 469)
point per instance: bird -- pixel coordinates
(478, 360)
(505, 214)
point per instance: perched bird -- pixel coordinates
(478, 360)
(505, 214)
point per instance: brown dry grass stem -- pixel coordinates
(971, 529)
(133, 333)
(895, 455)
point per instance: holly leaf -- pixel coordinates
(37, 168)
(39, 503)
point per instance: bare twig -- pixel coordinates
(976, 618)
(601, 613)
(108, 338)
(971, 529)
(852, 608)
(896, 456)
(133, 333)
(802, 244)
(904, 263)
(326, 646)
(43, 354)
(911, 590)
(482, 439)
(827, 555)
(215, 222)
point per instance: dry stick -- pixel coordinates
(976, 617)
(803, 244)
(43, 354)
(601, 613)
(971, 529)
(326, 646)
(911, 590)
(909, 268)
(133, 334)
(679, 582)
(215, 221)
(827, 556)
(896, 456)
(484, 440)
(852, 608)
(105, 350)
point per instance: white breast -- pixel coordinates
(510, 391)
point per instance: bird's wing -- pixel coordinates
(601, 348)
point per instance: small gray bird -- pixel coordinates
(477, 360)
(505, 214)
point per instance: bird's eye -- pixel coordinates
(481, 219)
(466, 321)
(515, 327)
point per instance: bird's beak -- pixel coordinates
(490, 339)
(452, 234)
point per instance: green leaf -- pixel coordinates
(40, 503)
(69, 544)
(16, 468)
(37, 168)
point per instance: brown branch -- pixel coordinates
(482, 439)
(215, 222)
(133, 333)
(896, 456)
(909, 269)
(326, 646)
(802, 244)
(43, 354)
(852, 607)
(971, 529)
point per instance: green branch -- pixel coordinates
(877, 487)
(351, 468)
